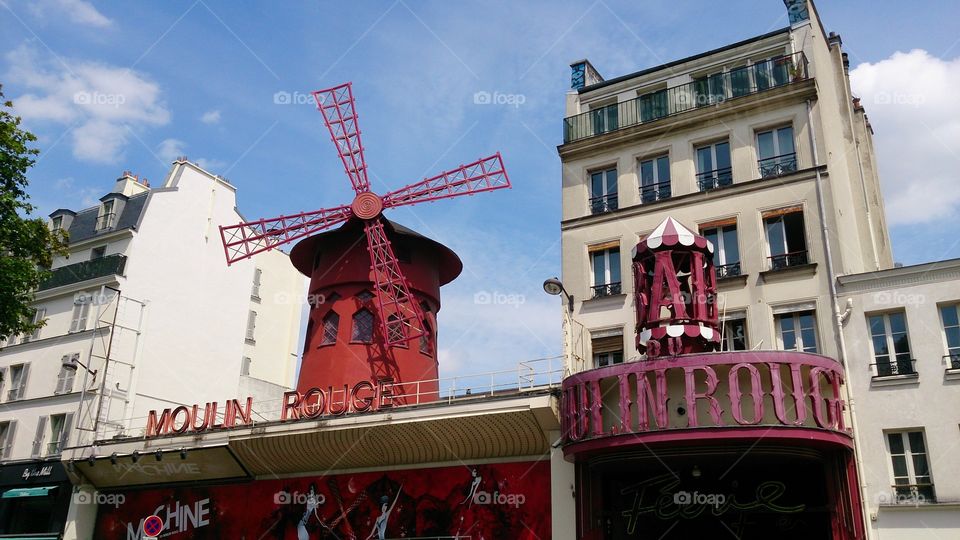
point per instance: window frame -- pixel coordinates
(353, 326)
(608, 202)
(800, 257)
(610, 287)
(909, 458)
(731, 318)
(717, 180)
(798, 330)
(781, 166)
(17, 391)
(731, 268)
(331, 315)
(893, 363)
(657, 183)
(255, 287)
(251, 332)
(951, 353)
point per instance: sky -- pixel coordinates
(108, 88)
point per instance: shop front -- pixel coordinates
(34, 499)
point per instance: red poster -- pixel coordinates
(492, 502)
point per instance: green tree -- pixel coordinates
(27, 246)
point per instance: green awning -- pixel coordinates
(16, 493)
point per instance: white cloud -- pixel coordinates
(171, 149)
(211, 117)
(102, 102)
(77, 11)
(911, 101)
(212, 165)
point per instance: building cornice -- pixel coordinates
(905, 276)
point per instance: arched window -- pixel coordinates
(362, 327)
(331, 324)
(363, 296)
(395, 328)
(426, 338)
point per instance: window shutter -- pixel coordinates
(717, 223)
(84, 315)
(65, 430)
(8, 443)
(608, 344)
(38, 438)
(22, 389)
(71, 374)
(612, 244)
(3, 379)
(781, 211)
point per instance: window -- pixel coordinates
(425, 339)
(950, 315)
(81, 312)
(773, 72)
(709, 89)
(607, 348)
(604, 119)
(603, 191)
(776, 152)
(713, 166)
(726, 248)
(18, 381)
(56, 223)
(67, 374)
(251, 326)
(331, 325)
(106, 218)
(655, 179)
(60, 426)
(98, 253)
(362, 327)
(395, 329)
(255, 290)
(740, 81)
(364, 296)
(798, 331)
(734, 332)
(605, 260)
(786, 237)
(654, 105)
(7, 433)
(38, 317)
(245, 365)
(891, 346)
(911, 471)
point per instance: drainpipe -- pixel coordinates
(837, 316)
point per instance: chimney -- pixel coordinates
(582, 73)
(834, 39)
(130, 184)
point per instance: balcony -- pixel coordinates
(603, 204)
(728, 270)
(86, 270)
(607, 289)
(900, 366)
(715, 179)
(655, 192)
(788, 260)
(952, 360)
(912, 494)
(702, 92)
(778, 165)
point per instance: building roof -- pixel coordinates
(647, 71)
(84, 224)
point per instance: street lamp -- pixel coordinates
(553, 286)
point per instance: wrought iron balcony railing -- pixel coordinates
(83, 271)
(655, 192)
(728, 270)
(607, 289)
(778, 165)
(714, 179)
(788, 260)
(899, 366)
(603, 204)
(952, 360)
(702, 92)
(913, 494)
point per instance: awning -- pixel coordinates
(16, 493)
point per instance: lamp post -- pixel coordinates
(554, 287)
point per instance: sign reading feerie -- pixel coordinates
(704, 390)
(194, 418)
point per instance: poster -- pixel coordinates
(492, 501)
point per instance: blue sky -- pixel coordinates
(201, 78)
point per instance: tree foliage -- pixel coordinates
(27, 245)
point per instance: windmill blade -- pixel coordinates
(245, 240)
(339, 114)
(485, 174)
(400, 315)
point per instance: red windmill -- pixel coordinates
(399, 314)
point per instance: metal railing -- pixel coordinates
(788, 260)
(82, 271)
(607, 289)
(913, 494)
(655, 192)
(702, 92)
(106, 221)
(891, 368)
(529, 376)
(715, 179)
(603, 204)
(778, 165)
(728, 270)
(952, 360)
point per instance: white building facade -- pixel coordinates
(142, 314)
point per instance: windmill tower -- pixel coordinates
(374, 285)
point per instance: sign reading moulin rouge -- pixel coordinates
(710, 390)
(183, 419)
